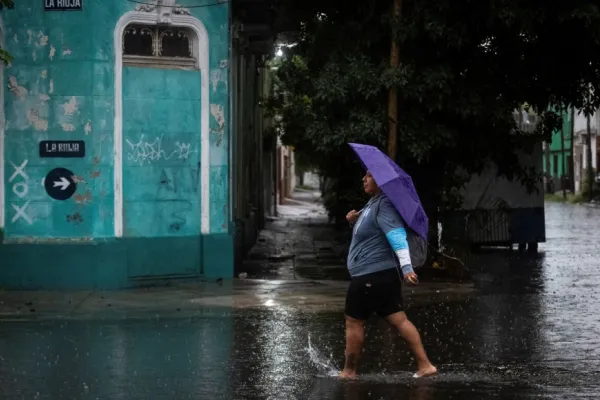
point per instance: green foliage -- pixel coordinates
(571, 198)
(5, 56)
(465, 68)
(10, 4)
(557, 198)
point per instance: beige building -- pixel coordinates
(286, 172)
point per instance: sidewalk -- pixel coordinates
(301, 230)
(190, 300)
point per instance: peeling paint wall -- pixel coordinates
(219, 117)
(61, 86)
(56, 86)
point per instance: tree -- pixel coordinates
(588, 156)
(465, 68)
(5, 56)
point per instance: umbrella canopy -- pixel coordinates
(396, 184)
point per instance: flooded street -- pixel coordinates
(531, 331)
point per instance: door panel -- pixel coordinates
(161, 160)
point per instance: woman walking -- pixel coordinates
(379, 246)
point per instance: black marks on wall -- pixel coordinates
(75, 218)
(167, 181)
(181, 208)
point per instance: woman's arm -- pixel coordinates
(392, 225)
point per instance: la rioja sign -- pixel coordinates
(62, 148)
(63, 5)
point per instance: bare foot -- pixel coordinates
(430, 370)
(348, 374)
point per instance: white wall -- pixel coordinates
(581, 122)
(581, 129)
(311, 179)
(594, 161)
(488, 191)
(287, 151)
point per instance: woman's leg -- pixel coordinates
(355, 337)
(409, 332)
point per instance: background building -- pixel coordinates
(565, 157)
(558, 160)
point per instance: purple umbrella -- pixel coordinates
(396, 184)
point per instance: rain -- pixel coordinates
(526, 327)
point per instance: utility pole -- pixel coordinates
(590, 169)
(393, 94)
(562, 156)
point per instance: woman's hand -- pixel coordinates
(411, 278)
(352, 217)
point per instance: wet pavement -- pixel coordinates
(301, 229)
(531, 330)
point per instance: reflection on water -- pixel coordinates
(126, 360)
(532, 332)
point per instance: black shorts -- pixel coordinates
(380, 292)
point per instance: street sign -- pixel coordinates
(62, 148)
(63, 5)
(59, 184)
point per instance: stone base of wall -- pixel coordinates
(110, 264)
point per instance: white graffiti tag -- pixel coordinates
(19, 171)
(21, 190)
(147, 152)
(21, 212)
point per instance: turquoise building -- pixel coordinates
(558, 156)
(120, 127)
(558, 159)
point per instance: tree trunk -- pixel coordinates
(590, 168)
(562, 159)
(548, 172)
(572, 163)
(393, 94)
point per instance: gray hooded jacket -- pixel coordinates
(379, 240)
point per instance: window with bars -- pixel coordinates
(157, 46)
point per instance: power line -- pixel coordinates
(178, 6)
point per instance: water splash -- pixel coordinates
(323, 363)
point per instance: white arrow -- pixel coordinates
(64, 183)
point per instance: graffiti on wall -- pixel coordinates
(20, 187)
(146, 151)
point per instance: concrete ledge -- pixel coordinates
(110, 264)
(218, 256)
(34, 266)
